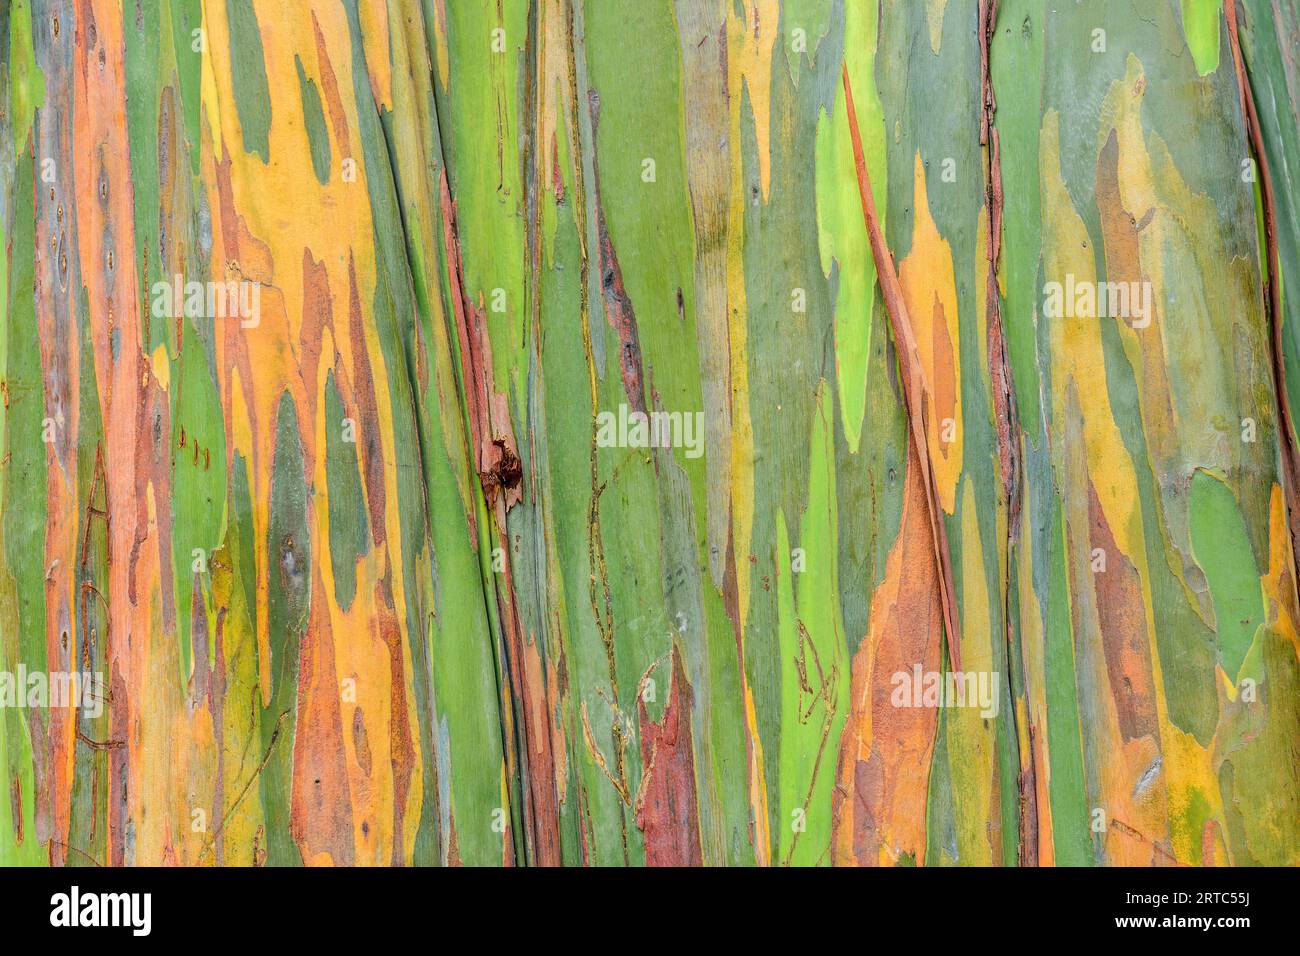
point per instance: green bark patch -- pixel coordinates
(349, 527)
(1223, 551)
(313, 115)
(248, 75)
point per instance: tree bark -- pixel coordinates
(596, 432)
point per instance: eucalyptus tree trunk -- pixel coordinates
(666, 432)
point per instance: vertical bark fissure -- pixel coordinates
(1286, 425)
(472, 368)
(1007, 422)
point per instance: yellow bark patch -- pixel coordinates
(930, 291)
(750, 62)
(934, 10)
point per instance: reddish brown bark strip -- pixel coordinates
(916, 391)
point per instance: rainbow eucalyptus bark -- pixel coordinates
(1153, 568)
(393, 542)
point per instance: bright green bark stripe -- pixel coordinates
(1202, 25)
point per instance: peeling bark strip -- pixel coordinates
(916, 390)
(363, 577)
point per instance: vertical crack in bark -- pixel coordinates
(917, 394)
(537, 784)
(1290, 456)
(1007, 422)
(474, 366)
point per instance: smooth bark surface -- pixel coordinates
(637, 417)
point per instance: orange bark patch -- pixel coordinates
(884, 766)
